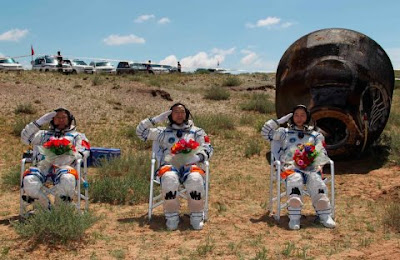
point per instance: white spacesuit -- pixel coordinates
(63, 176)
(191, 174)
(289, 138)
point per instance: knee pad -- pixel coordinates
(294, 184)
(169, 188)
(170, 183)
(321, 202)
(195, 189)
(194, 184)
(32, 185)
(66, 185)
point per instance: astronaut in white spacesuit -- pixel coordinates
(191, 174)
(297, 133)
(62, 125)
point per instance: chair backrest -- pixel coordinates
(276, 150)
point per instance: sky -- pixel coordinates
(243, 36)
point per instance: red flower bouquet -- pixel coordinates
(59, 146)
(305, 155)
(57, 152)
(182, 152)
(184, 146)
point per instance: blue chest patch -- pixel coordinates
(171, 140)
(292, 140)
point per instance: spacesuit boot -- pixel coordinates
(172, 221)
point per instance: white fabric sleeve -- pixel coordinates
(80, 145)
(272, 131)
(204, 141)
(31, 134)
(320, 140)
(145, 131)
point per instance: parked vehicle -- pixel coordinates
(139, 67)
(129, 67)
(49, 63)
(212, 70)
(159, 69)
(79, 66)
(9, 64)
(124, 67)
(171, 69)
(102, 67)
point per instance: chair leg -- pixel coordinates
(332, 164)
(22, 211)
(207, 186)
(153, 161)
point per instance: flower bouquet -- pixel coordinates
(309, 155)
(182, 152)
(57, 152)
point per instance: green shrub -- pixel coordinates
(156, 82)
(97, 80)
(139, 144)
(252, 147)
(255, 121)
(122, 180)
(395, 146)
(11, 179)
(260, 103)
(202, 71)
(391, 217)
(394, 119)
(20, 124)
(25, 109)
(60, 225)
(231, 81)
(214, 123)
(217, 93)
(396, 84)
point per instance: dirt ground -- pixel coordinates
(239, 225)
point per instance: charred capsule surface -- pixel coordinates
(347, 81)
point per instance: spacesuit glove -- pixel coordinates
(161, 117)
(194, 159)
(46, 118)
(284, 119)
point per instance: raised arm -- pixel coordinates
(270, 129)
(146, 130)
(31, 134)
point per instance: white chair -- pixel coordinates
(82, 179)
(275, 179)
(155, 201)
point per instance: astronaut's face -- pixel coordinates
(299, 117)
(178, 114)
(61, 120)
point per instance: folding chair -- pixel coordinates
(275, 170)
(82, 178)
(155, 201)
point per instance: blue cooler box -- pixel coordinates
(97, 154)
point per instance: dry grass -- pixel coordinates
(239, 226)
